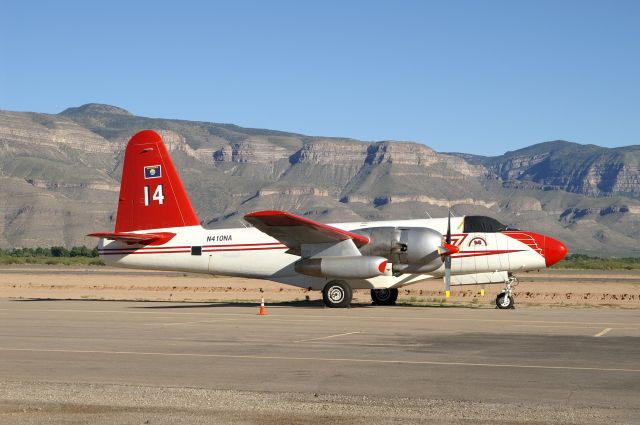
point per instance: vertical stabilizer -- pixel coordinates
(151, 193)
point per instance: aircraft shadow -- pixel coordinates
(184, 304)
(300, 303)
(30, 300)
(222, 304)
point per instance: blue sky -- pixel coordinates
(473, 76)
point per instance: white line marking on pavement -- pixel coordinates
(313, 359)
(293, 317)
(235, 319)
(556, 326)
(193, 323)
(353, 343)
(569, 326)
(326, 337)
(603, 332)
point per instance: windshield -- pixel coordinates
(482, 223)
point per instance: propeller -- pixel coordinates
(447, 260)
(446, 252)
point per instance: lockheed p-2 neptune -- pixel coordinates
(157, 228)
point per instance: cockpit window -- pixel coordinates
(483, 224)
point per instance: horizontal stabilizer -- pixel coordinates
(136, 238)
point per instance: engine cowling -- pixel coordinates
(410, 249)
(357, 267)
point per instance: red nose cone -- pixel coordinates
(554, 251)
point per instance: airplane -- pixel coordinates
(157, 228)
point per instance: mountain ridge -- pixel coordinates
(60, 177)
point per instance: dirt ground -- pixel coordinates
(619, 288)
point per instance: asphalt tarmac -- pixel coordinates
(142, 362)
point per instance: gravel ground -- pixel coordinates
(561, 288)
(77, 403)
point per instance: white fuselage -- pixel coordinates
(248, 252)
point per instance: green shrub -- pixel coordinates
(581, 261)
(59, 251)
(54, 255)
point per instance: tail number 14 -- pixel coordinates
(158, 195)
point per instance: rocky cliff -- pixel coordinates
(585, 169)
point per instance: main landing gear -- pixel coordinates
(386, 296)
(504, 300)
(337, 294)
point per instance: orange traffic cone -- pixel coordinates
(262, 311)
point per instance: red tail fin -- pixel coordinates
(151, 193)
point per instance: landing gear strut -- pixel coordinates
(504, 300)
(386, 296)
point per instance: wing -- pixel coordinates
(294, 231)
(136, 238)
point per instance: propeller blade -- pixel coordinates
(448, 239)
(447, 276)
(447, 259)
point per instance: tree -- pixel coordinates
(59, 251)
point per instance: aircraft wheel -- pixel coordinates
(386, 296)
(504, 301)
(337, 294)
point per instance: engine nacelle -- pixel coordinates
(410, 249)
(360, 267)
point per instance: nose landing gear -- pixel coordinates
(504, 300)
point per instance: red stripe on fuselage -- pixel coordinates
(188, 251)
(530, 239)
(243, 244)
(155, 248)
(247, 249)
(143, 252)
(464, 254)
